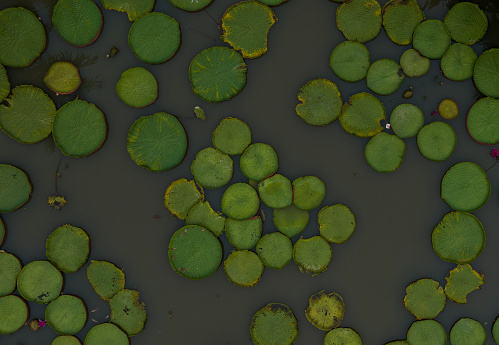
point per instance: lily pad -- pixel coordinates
(437, 141)
(495, 330)
(425, 299)
(325, 311)
(105, 278)
(273, 2)
(308, 192)
(10, 266)
(203, 215)
(362, 114)
(191, 5)
(461, 281)
(259, 161)
(431, 39)
(426, 332)
(137, 87)
(154, 38)
(397, 342)
(66, 340)
(359, 20)
(467, 331)
(342, 336)
(240, 201)
(106, 333)
(66, 314)
(276, 191)
(15, 188)
(4, 83)
(127, 312)
(13, 313)
(482, 121)
(414, 64)
(290, 220)
(245, 26)
(39, 281)
(486, 73)
(243, 234)
(350, 61)
(466, 22)
(406, 120)
(243, 268)
(465, 187)
(384, 76)
(232, 136)
(212, 168)
(62, 77)
(448, 109)
(78, 22)
(275, 250)
(458, 62)
(320, 102)
(274, 324)
(217, 74)
(21, 29)
(400, 18)
(135, 9)
(2, 230)
(181, 196)
(29, 115)
(336, 223)
(312, 255)
(458, 238)
(385, 152)
(68, 248)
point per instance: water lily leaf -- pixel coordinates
(39, 281)
(448, 109)
(290, 220)
(66, 340)
(105, 278)
(458, 62)
(384, 76)
(466, 22)
(276, 191)
(137, 87)
(350, 61)
(212, 168)
(274, 324)
(232, 136)
(397, 342)
(106, 333)
(181, 196)
(243, 268)
(203, 215)
(10, 266)
(4, 83)
(243, 234)
(482, 121)
(424, 299)
(62, 78)
(437, 141)
(342, 335)
(240, 201)
(275, 250)
(191, 5)
(495, 330)
(400, 18)
(362, 114)
(13, 313)
(312, 255)
(467, 331)
(461, 281)
(199, 112)
(2, 231)
(135, 9)
(406, 120)
(336, 223)
(66, 314)
(15, 188)
(385, 152)
(68, 248)
(259, 161)
(127, 312)
(431, 39)
(308, 192)
(359, 20)
(325, 311)
(426, 332)
(486, 73)
(414, 64)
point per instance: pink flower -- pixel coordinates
(434, 113)
(42, 323)
(494, 153)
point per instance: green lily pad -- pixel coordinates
(232, 136)
(191, 5)
(385, 152)
(437, 141)
(448, 109)
(320, 102)
(245, 26)
(135, 9)
(482, 121)
(15, 188)
(273, 2)
(276, 191)
(424, 299)
(384, 76)
(290, 220)
(13, 313)
(467, 331)
(154, 38)
(66, 314)
(397, 342)
(275, 250)
(68, 248)
(137, 87)
(212, 168)
(80, 128)
(4, 83)
(458, 238)
(426, 332)
(465, 187)
(39, 281)
(199, 112)
(259, 161)
(105, 278)
(243, 234)
(308, 192)
(312, 255)
(217, 74)
(243, 268)
(181, 196)
(431, 39)
(350, 61)
(29, 115)
(240, 201)
(495, 330)
(336, 223)
(203, 215)
(62, 77)
(127, 312)
(10, 266)
(2, 229)
(406, 120)
(458, 62)
(466, 23)
(342, 336)
(414, 64)
(400, 18)
(157, 142)
(21, 29)
(461, 281)
(362, 114)
(66, 340)
(274, 324)
(486, 73)
(78, 22)
(106, 333)
(359, 20)
(325, 311)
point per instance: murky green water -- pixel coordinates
(120, 204)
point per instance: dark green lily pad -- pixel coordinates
(203, 215)
(240, 201)
(66, 314)
(127, 312)
(62, 77)
(78, 22)
(350, 61)
(458, 238)
(290, 220)
(10, 266)
(465, 187)
(466, 23)
(400, 18)
(458, 62)
(29, 115)
(336, 223)
(482, 121)
(39, 281)
(320, 102)
(181, 196)
(2, 230)
(342, 336)
(137, 87)
(15, 188)
(397, 342)
(362, 114)
(384, 76)
(13, 313)
(275, 250)
(467, 331)
(259, 161)
(212, 168)
(359, 20)
(21, 29)
(154, 38)
(135, 9)
(217, 74)
(425, 299)
(66, 340)
(486, 73)
(431, 39)
(245, 26)
(243, 234)
(191, 5)
(325, 311)
(276, 191)
(105, 278)
(308, 192)
(80, 128)
(426, 332)
(448, 109)
(106, 333)
(273, 2)
(437, 141)
(4, 83)
(312, 255)
(495, 330)
(414, 64)
(68, 248)
(385, 152)
(232, 136)
(243, 268)
(274, 324)
(461, 281)
(406, 120)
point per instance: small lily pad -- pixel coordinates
(39, 281)
(127, 312)
(414, 64)
(350, 61)
(4, 83)
(466, 22)
(486, 73)
(62, 77)
(461, 281)
(212, 168)
(290, 220)
(308, 192)
(243, 234)
(137, 87)
(426, 332)
(448, 109)
(437, 141)
(467, 331)
(384, 76)
(203, 215)
(406, 120)
(66, 314)
(243, 268)
(240, 201)
(276, 191)
(13, 313)
(275, 250)
(362, 114)
(325, 311)
(68, 248)
(259, 161)
(312, 255)
(181, 196)
(342, 336)
(400, 18)
(425, 299)
(232, 136)
(359, 20)
(15, 188)
(10, 266)
(66, 340)
(482, 121)
(106, 278)
(135, 9)
(274, 324)
(336, 223)
(458, 62)
(431, 39)
(385, 152)
(106, 333)
(191, 5)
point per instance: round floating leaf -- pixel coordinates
(431, 39)
(4, 83)
(2, 228)
(243, 268)
(22, 39)
(217, 74)
(397, 342)
(275, 250)
(14, 188)
(243, 234)
(425, 299)
(426, 332)
(105, 278)
(191, 5)
(350, 61)
(400, 18)
(259, 161)
(384, 76)
(406, 120)
(385, 152)
(467, 331)
(240, 201)
(458, 238)
(181, 196)
(486, 73)
(466, 23)
(461, 281)
(29, 115)
(437, 141)
(320, 102)
(274, 324)
(79, 128)
(137, 87)
(212, 168)
(134, 8)
(10, 266)
(448, 109)
(66, 340)
(13, 313)
(273, 2)
(78, 22)
(39, 281)
(106, 333)
(276, 191)
(359, 20)
(458, 62)
(414, 64)
(68, 248)
(232, 136)
(203, 215)
(245, 26)
(154, 38)
(66, 314)
(495, 330)
(127, 312)
(465, 187)
(325, 311)
(62, 77)
(336, 223)
(157, 142)
(290, 220)
(342, 336)
(312, 255)
(362, 114)
(482, 121)
(308, 192)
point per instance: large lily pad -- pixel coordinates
(135, 9)
(68, 248)
(384, 76)
(212, 168)
(466, 22)
(181, 196)
(243, 234)
(308, 192)
(431, 39)
(362, 114)
(312, 255)
(66, 314)
(39, 281)
(10, 266)
(106, 278)
(325, 311)
(202, 214)
(275, 250)
(414, 64)
(425, 299)
(486, 73)
(15, 188)
(127, 312)
(342, 335)
(240, 201)
(359, 20)
(437, 141)
(336, 223)
(406, 120)
(385, 152)
(259, 161)
(243, 268)
(276, 191)
(4, 83)
(13, 313)
(62, 77)
(461, 281)
(458, 62)
(274, 324)
(106, 333)
(350, 61)
(482, 121)
(191, 5)
(137, 87)
(290, 220)
(400, 18)
(467, 331)
(232, 136)
(426, 332)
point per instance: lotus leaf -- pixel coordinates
(232, 136)
(259, 161)
(137, 87)
(414, 64)
(274, 324)
(181, 196)
(135, 9)
(385, 152)
(362, 114)
(127, 312)
(276, 191)
(106, 333)
(359, 20)
(240, 201)
(275, 250)
(336, 223)
(448, 109)
(437, 141)
(243, 268)
(191, 5)
(105, 278)
(202, 214)
(482, 121)
(339, 336)
(426, 332)
(68, 248)
(312, 255)
(486, 73)
(308, 192)
(461, 281)
(400, 18)
(290, 220)
(10, 266)
(467, 331)
(212, 168)
(243, 234)
(66, 340)
(495, 330)
(458, 62)
(62, 78)
(384, 76)
(406, 120)
(325, 311)
(39, 281)
(66, 314)
(466, 22)
(350, 61)
(4, 83)
(431, 39)
(425, 299)
(2, 230)
(15, 188)
(13, 313)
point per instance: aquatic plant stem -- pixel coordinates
(492, 166)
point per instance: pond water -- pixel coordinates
(120, 205)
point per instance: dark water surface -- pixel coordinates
(120, 205)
